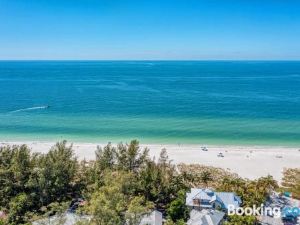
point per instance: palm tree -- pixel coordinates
(206, 177)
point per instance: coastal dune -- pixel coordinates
(247, 161)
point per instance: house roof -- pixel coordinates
(229, 198)
(205, 217)
(225, 198)
(204, 194)
(153, 218)
(65, 219)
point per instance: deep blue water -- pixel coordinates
(228, 102)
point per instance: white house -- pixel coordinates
(65, 219)
(206, 217)
(153, 218)
(208, 199)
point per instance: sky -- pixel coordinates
(152, 29)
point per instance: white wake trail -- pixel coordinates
(30, 109)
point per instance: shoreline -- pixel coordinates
(249, 162)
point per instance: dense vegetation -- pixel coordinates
(291, 181)
(120, 185)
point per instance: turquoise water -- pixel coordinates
(212, 102)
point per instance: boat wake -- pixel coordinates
(30, 109)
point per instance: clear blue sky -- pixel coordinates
(152, 29)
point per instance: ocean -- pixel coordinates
(188, 102)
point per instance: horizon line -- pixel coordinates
(270, 60)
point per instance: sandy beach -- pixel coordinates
(247, 161)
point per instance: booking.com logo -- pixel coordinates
(275, 212)
(291, 211)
